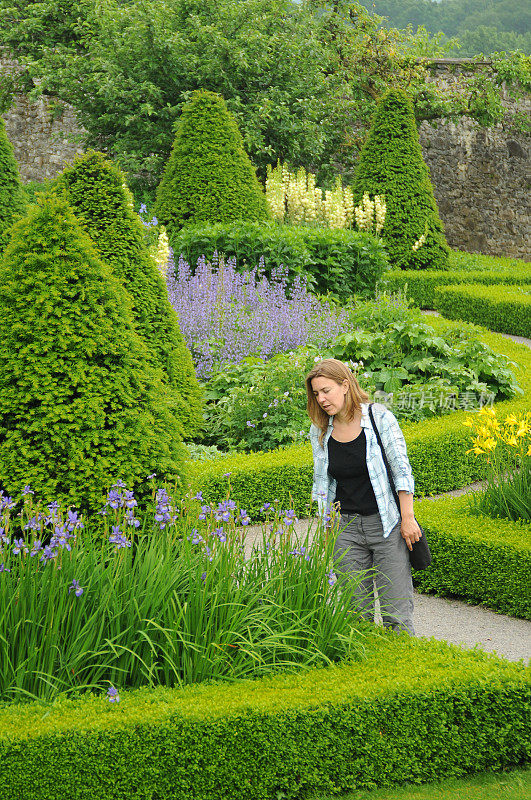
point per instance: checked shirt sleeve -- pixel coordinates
(396, 451)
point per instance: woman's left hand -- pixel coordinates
(410, 531)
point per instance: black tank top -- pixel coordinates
(347, 463)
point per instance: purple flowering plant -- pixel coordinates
(227, 315)
(184, 590)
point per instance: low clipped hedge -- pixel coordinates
(421, 284)
(410, 710)
(436, 448)
(344, 262)
(485, 561)
(501, 308)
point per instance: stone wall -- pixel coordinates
(480, 176)
(45, 135)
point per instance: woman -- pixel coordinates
(349, 470)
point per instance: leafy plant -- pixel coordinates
(96, 190)
(79, 398)
(340, 262)
(419, 372)
(12, 196)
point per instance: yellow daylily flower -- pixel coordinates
(511, 420)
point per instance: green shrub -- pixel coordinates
(482, 560)
(96, 190)
(80, 404)
(412, 710)
(209, 176)
(500, 308)
(391, 164)
(420, 285)
(12, 197)
(343, 262)
(437, 450)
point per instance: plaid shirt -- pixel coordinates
(324, 487)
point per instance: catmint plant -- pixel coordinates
(226, 315)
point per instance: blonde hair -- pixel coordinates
(336, 371)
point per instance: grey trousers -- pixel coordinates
(361, 546)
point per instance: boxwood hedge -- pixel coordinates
(482, 560)
(410, 710)
(436, 448)
(501, 308)
(421, 284)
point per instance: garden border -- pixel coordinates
(502, 308)
(421, 284)
(411, 710)
(481, 560)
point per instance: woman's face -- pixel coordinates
(329, 394)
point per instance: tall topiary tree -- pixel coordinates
(80, 404)
(391, 164)
(96, 190)
(12, 196)
(209, 176)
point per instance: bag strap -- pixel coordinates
(384, 456)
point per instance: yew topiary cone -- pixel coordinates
(209, 176)
(96, 190)
(391, 164)
(12, 196)
(80, 404)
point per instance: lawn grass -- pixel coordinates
(514, 785)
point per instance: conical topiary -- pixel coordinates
(209, 176)
(391, 164)
(80, 405)
(12, 196)
(96, 190)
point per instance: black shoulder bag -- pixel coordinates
(420, 555)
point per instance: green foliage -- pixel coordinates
(412, 710)
(437, 450)
(12, 198)
(257, 404)
(420, 285)
(483, 560)
(391, 164)
(298, 77)
(183, 603)
(342, 262)
(79, 403)
(209, 177)
(96, 190)
(500, 308)
(483, 26)
(422, 368)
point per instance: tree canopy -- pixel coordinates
(301, 79)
